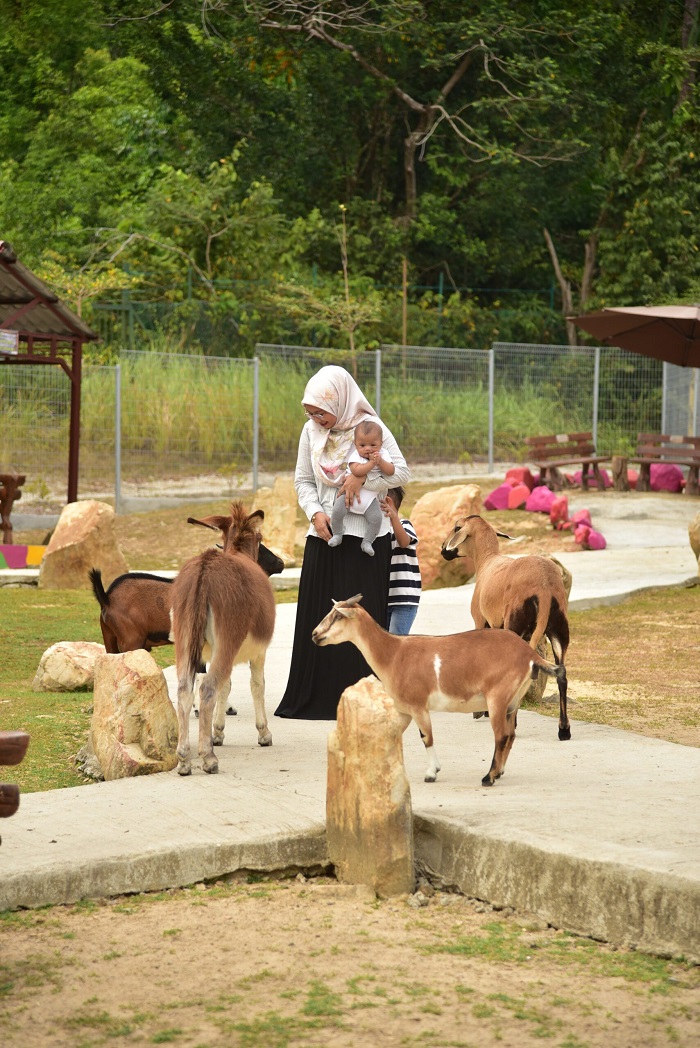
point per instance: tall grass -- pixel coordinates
(183, 414)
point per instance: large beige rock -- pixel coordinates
(369, 823)
(694, 536)
(279, 504)
(84, 538)
(134, 725)
(433, 516)
(67, 666)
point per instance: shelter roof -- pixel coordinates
(29, 306)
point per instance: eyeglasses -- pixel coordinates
(319, 415)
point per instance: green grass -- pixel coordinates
(58, 722)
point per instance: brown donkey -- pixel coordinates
(223, 613)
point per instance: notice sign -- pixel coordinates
(9, 341)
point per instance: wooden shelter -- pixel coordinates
(36, 328)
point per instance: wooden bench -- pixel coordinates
(659, 448)
(10, 491)
(550, 453)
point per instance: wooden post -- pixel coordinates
(619, 472)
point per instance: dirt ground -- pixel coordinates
(309, 962)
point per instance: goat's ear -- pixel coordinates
(352, 601)
(454, 540)
(502, 535)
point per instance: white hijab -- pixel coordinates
(334, 390)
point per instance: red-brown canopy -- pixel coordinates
(670, 333)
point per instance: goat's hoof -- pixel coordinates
(265, 740)
(184, 769)
(486, 781)
(564, 734)
(211, 767)
(232, 711)
(430, 778)
(217, 740)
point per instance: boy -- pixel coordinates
(404, 571)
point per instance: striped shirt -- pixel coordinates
(404, 570)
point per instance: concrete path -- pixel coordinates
(599, 835)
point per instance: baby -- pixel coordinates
(365, 455)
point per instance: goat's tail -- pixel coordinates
(95, 576)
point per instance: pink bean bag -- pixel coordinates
(520, 475)
(498, 499)
(582, 516)
(588, 538)
(664, 476)
(518, 496)
(559, 512)
(592, 481)
(540, 500)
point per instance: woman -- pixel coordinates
(334, 404)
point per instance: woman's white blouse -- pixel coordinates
(314, 495)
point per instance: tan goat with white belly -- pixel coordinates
(481, 670)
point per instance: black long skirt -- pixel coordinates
(319, 676)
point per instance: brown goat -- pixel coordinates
(459, 673)
(223, 612)
(523, 594)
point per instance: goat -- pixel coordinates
(458, 673)
(525, 594)
(223, 612)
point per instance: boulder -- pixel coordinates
(520, 475)
(84, 538)
(433, 516)
(279, 503)
(67, 666)
(134, 725)
(369, 821)
(694, 536)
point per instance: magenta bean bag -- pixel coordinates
(664, 476)
(541, 500)
(498, 499)
(593, 481)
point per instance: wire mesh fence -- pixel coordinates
(158, 420)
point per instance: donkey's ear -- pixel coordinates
(215, 523)
(257, 514)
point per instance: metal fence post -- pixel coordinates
(378, 381)
(256, 421)
(664, 395)
(696, 406)
(117, 438)
(492, 383)
(596, 391)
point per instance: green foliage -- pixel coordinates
(188, 160)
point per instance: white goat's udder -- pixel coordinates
(441, 703)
